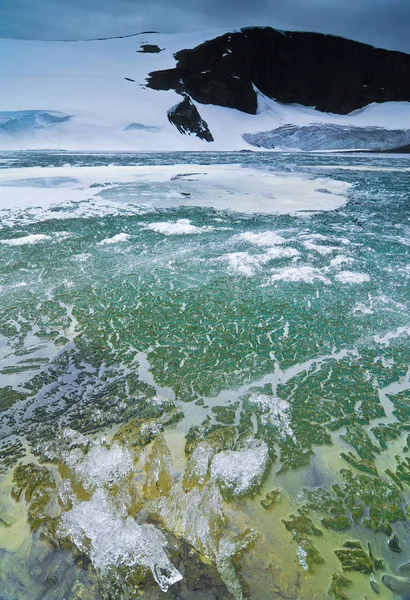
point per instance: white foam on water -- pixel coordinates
(303, 274)
(351, 277)
(116, 239)
(239, 471)
(179, 227)
(101, 465)
(112, 541)
(265, 238)
(276, 412)
(27, 240)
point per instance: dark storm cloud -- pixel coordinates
(383, 23)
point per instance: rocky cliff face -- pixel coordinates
(331, 73)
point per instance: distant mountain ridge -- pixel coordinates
(331, 73)
(214, 90)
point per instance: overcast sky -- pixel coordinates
(384, 23)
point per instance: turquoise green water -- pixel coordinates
(299, 349)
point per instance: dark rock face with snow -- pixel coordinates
(331, 73)
(327, 136)
(187, 119)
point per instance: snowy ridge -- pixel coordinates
(92, 95)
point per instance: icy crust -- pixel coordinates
(112, 541)
(240, 472)
(274, 411)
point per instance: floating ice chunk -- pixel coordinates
(239, 472)
(26, 240)
(302, 556)
(323, 250)
(242, 263)
(299, 275)
(352, 277)
(179, 227)
(199, 462)
(116, 239)
(101, 465)
(111, 542)
(266, 238)
(341, 260)
(275, 411)
(277, 253)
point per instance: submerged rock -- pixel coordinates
(354, 558)
(336, 589)
(38, 485)
(271, 499)
(198, 516)
(399, 585)
(158, 469)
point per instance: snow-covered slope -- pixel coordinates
(91, 95)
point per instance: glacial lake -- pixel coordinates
(204, 376)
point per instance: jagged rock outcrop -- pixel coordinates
(187, 119)
(331, 73)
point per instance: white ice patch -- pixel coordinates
(242, 263)
(100, 466)
(116, 239)
(26, 240)
(240, 471)
(362, 309)
(276, 412)
(341, 260)
(180, 227)
(111, 541)
(299, 275)
(352, 277)
(302, 556)
(323, 250)
(266, 238)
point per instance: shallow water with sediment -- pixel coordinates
(204, 376)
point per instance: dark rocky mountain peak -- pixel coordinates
(330, 73)
(187, 120)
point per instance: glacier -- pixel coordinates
(329, 136)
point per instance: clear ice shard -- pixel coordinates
(112, 541)
(241, 471)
